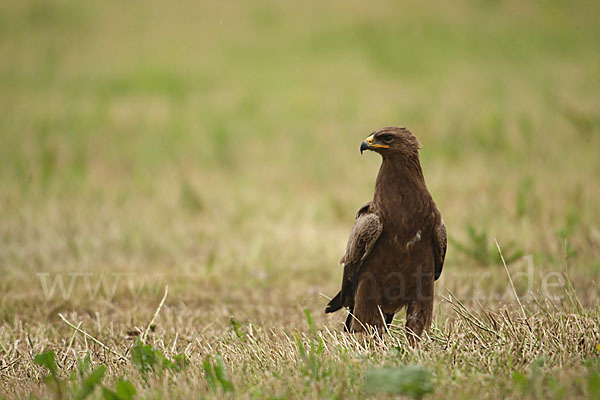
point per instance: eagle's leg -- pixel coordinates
(389, 318)
(418, 318)
(366, 307)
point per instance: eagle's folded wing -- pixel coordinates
(365, 232)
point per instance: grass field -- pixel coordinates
(212, 147)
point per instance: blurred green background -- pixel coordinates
(148, 134)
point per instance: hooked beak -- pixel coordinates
(364, 146)
(367, 144)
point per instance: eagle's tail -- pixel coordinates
(335, 304)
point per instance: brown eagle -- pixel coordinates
(397, 245)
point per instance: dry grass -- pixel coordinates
(550, 354)
(213, 148)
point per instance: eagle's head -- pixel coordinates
(392, 141)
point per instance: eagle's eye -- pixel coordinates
(386, 138)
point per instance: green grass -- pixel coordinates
(213, 147)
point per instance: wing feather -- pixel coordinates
(365, 232)
(439, 247)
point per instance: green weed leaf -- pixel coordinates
(124, 391)
(221, 374)
(209, 375)
(46, 359)
(237, 329)
(90, 383)
(412, 380)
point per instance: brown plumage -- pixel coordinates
(397, 245)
